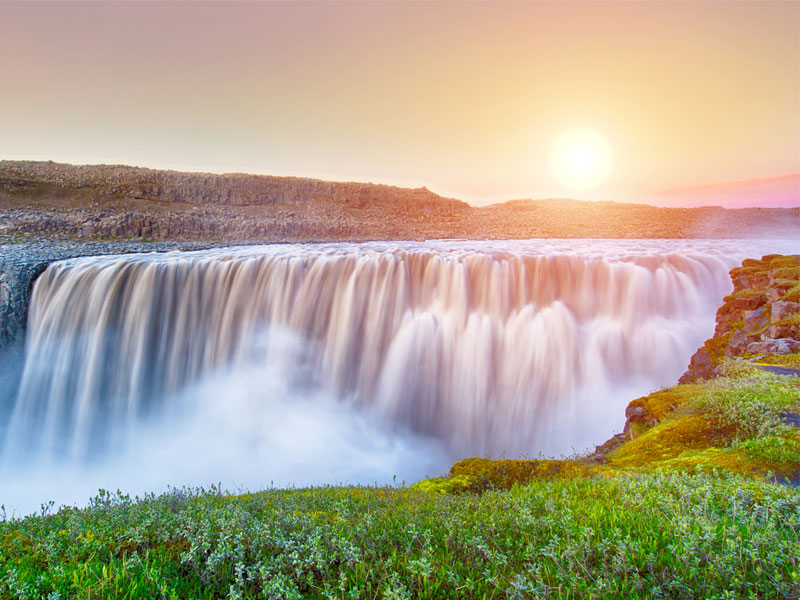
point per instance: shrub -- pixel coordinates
(748, 401)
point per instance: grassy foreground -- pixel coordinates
(656, 535)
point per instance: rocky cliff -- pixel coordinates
(58, 201)
(761, 317)
(230, 189)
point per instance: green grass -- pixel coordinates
(629, 536)
(732, 422)
(747, 400)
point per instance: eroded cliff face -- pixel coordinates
(230, 189)
(761, 317)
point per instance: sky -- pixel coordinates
(468, 99)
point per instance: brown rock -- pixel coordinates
(778, 346)
(781, 310)
(636, 413)
(775, 332)
(750, 302)
(756, 320)
(699, 367)
(780, 287)
(737, 343)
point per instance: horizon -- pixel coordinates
(668, 198)
(470, 101)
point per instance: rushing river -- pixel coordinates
(309, 364)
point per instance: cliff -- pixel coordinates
(760, 318)
(46, 200)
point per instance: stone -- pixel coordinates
(780, 331)
(749, 302)
(782, 309)
(737, 343)
(699, 367)
(637, 414)
(756, 320)
(778, 346)
(780, 288)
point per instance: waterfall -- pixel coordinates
(502, 348)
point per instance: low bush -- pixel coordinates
(748, 401)
(627, 536)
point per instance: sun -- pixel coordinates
(581, 159)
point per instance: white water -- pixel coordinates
(307, 364)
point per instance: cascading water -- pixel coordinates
(455, 348)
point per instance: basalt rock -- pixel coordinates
(737, 343)
(756, 318)
(749, 303)
(753, 322)
(775, 346)
(781, 310)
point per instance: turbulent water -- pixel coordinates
(349, 362)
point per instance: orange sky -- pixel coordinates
(466, 98)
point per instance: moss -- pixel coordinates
(790, 261)
(669, 440)
(662, 403)
(726, 459)
(702, 423)
(444, 485)
(780, 360)
(484, 473)
(790, 321)
(715, 346)
(751, 264)
(777, 453)
(793, 295)
(743, 293)
(785, 273)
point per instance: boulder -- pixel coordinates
(756, 320)
(638, 414)
(737, 343)
(782, 309)
(779, 289)
(750, 302)
(779, 330)
(778, 346)
(699, 367)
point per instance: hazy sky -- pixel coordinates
(466, 98)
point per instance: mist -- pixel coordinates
(246, 427)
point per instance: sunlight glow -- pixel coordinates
(581, 159)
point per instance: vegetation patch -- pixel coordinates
(778, 360)
(662, 403)
(793, 295)
(669, 440)
(666, 535)
(748, 401)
